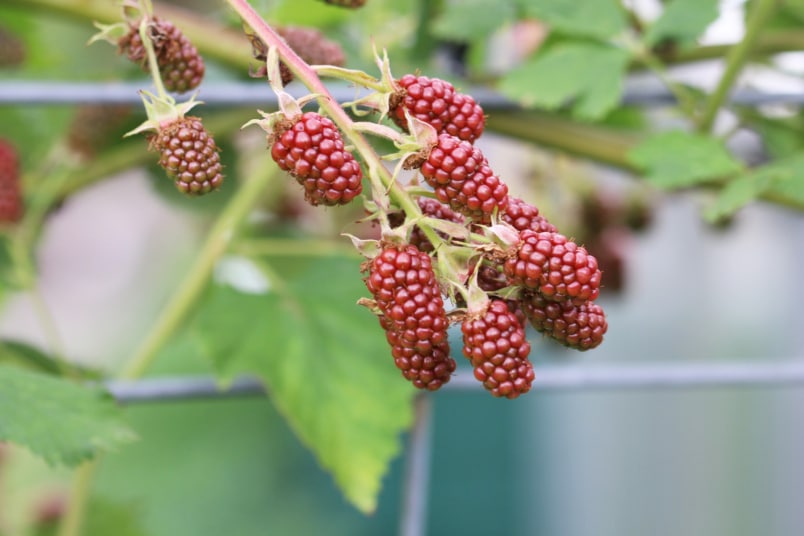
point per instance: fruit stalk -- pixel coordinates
(735, 59)
(333, 110)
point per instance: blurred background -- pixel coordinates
(698, 461)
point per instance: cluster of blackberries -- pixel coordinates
(539, 277)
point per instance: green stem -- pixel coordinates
(598, 143)
(735, 59)
(686, 100)
(185, 297)
(292, 247)
(153, 65)
(73, 520)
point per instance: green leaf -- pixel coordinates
(784, 178)
(583, 18)
(590, 74)
(59, 420)
(683, 21)
(780, 137)
(106, 517)
(27, 356)
(325, 362)
(678, 159)
(465, 21)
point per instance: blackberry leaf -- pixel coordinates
(683, 21)
(472, 19)
(587, 75)
(317, 353)
(60, 421)
(784, 178)
(678, 159)
(583, 18)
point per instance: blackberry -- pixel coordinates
(189, 155)
(310, 44)
(11, 206)
(312, 150)
(450, 161)
(12, 49)
(180, 65)
(556, 267)
(461, 178)
(403, 284)
(576, 326)
(436, 102)
(496, 346)
(479, 197)
(522, 215)
(94, 126)
(466, 118)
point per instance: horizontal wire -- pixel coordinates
(260, 94)
(548, 377)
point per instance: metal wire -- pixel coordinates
(413, 514)
(548, 377)
(260, 94)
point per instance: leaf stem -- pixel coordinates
(153, 66)
(185, 297)
(686, 100)
(292, 247)
(735, 59)
(73, 520)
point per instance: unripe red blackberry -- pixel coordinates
(312, 150)
(522, 215)
(450, 160)
(496, 346)
(436, 102)
(479, 197)
(310, 44)
(180, 65)
(434, 209)
(403, 284)
(556, 267)
(466, 118)
(577, 326)
(189, 155)
(461, 178)
(11, 207)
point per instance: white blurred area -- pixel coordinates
(107, 261)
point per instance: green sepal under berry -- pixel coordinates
(188, 153)
(161, 111)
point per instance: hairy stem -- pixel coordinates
(307, 76)
(153, 65)
(735, 59)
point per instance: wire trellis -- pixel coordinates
(259, 94)
(548, 378)
(569, 378)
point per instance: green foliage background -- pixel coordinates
(318, 353)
